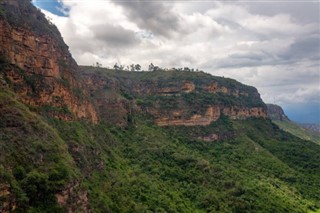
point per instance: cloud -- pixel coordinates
(153, 16)
(274, 47)
(115, 36)
(305, 47)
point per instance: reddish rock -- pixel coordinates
(43, 73)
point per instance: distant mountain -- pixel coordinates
(303, 131)
(315, 128)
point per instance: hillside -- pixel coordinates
(277, 115)
(88, 139)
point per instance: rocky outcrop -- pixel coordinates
(276, 113)
(41, 70)
(73, 198)
(243, 113)
(212, 114)
(7, 199)
(214, 87)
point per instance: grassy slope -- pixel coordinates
(298, 131)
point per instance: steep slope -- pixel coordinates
(165, 142)
(37, 65)
(165, 169)
(35, 166)
(277, 115)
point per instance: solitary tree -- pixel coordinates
(98, 64)
(116, 66)
(137, 67)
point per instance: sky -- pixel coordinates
(272, 45)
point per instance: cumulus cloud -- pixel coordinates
(274, 47)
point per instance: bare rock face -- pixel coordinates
(214, 87)
(212, 114)
(276, 113)
(8, 201)
(243, 113)
(75, 199)
(41, 70)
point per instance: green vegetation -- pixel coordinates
(252, 167)
(34, 160)
(298, 131)
(255, 167)
(164, 170)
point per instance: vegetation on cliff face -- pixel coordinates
(146, 168)
(171, 95)
(22, 14)
(127, 163)
(37, 65)
(34, 160)
(252, 166)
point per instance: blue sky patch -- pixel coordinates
(53, 6)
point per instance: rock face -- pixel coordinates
(276, 113)
(74, 199)
(39, 68)
(189, 99)
(37, 65)
(212, 114)
(7, 199)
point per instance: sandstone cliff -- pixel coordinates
(38, 66)
(170, 97)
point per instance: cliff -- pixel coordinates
(165, 141)
(170, 97)
(276, 113)
(37, 65)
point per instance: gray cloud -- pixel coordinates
(308, 47)
(302, 12)
(114, 36)
(154, 16)
(247, 59)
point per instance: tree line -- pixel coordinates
(151, 67)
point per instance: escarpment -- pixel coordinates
(37, 65)
(276, 113)
(171, 98)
